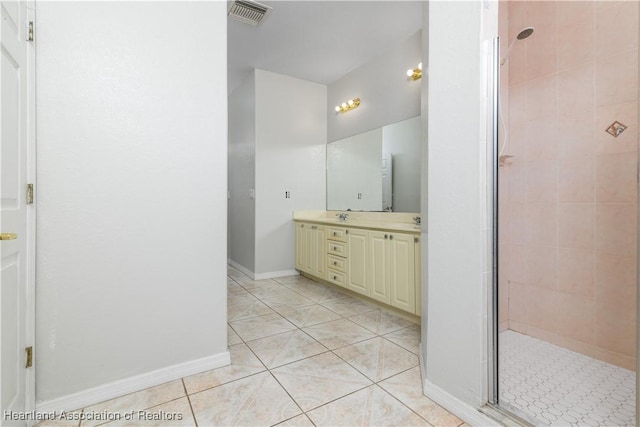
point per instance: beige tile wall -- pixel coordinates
(569, 196)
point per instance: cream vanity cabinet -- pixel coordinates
(382, 265)
(311, 249)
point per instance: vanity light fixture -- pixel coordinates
(416, 73)
(348, 106)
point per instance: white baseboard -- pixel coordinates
(273, 274)
(242, 268)
(464, 411)
(118, 388)
(261, 276)
(423, 369)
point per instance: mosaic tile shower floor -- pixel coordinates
(550, 385)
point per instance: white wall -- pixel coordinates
(399, 139)
(291, 137)
(387, 96)
(242, 170)
(424, 188)
(454, 316)
(131, 229)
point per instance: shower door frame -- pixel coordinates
(493, 362)
(493, 407)
(638, 249)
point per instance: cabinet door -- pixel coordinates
(320, 251)
(357, 261)
(301, 249)
(309, 249)
(402, 271)
(378, 270)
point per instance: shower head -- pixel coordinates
(525, 33)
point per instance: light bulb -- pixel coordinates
(420, 66)
(337, 108)
(350, 102)
(409, 73)
(344, 105)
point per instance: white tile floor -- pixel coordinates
(302, 354)
(550, 385)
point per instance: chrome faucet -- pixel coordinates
(342, 216)
(418, 220)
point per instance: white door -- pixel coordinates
(387, 182)
(16, 246)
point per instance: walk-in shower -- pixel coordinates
(565, 212)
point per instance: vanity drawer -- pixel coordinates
(336, 277)
(337, 248)
(337, 233)
(337, 263)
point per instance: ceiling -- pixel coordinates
(319, 41)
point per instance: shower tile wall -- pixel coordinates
(569, 196)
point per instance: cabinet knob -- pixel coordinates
(335, 278)
(415, 239)
(335, 263)
(346, 231)
(301, 225)
(334, 233)
(334, 248)
(386, 236)
(391, 236)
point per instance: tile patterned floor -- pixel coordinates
(302, 354)
(550, 385)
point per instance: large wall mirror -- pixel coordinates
(378, 170)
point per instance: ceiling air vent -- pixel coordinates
(249, 12)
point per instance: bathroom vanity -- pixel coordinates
(376, 255)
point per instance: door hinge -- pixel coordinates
(29, 194)
(29, 351)
(30, 31)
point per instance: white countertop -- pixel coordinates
(360, 222)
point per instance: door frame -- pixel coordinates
(30, 321)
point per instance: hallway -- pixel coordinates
(302, 354)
